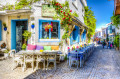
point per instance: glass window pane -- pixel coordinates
(45, 35)
(54, 33)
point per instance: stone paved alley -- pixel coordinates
(102, 64)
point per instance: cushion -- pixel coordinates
(31, 47)
(39, 47)
(55, 47)
(3, 45)
(47, 47)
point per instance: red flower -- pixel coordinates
(60, 6)
(61, 11)
(69, 19)
(70, 10)
(68, 24)
(68, 13)
(61, 23)
(64, 13)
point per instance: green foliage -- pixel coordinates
(90, 21)
(24, 46)
(4, 24)
(6, 51)
(32, 23)
(115, 20)
(26, 35)
(116, 40)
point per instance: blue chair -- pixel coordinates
(73, 58)
(81, 58)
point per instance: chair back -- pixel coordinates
(12, 53)
(28, 56)
(51, 55)
(73, 54)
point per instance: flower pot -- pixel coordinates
(5, 28)
(32, 26)
(6, 55)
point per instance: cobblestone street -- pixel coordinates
(102, 64)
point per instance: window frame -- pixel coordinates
(40, 31)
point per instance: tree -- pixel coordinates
(90, 21)
(116, 20)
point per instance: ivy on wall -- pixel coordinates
(90, 22)
(116, 20)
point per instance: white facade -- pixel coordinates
(75, 5)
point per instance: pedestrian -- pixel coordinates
(112, 44)
(107, 44)
(103, 44)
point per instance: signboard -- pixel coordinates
(48, 10)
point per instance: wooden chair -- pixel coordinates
(51, 58)
(17, 59)
(40, 58)
(29, 58)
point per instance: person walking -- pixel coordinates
(107, 44)
(103, 44)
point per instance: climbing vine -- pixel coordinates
(90, 22)
(115, 20)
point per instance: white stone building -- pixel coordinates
(19, 20)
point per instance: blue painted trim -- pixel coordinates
(77, 35)
(0, 30)
(40, 29)
(13, 31)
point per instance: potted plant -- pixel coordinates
(116, 42)
(23, 46)
(5, 27)
(32, 26)
(6, 53)
(26, 36)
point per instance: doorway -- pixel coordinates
(18, 28)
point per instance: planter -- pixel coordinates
(117, 48)
(5, 28)
(6, 55)
(32, 26)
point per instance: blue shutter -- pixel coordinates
(71, 38)
(13, 34)
(78, 35)
(59, 30)
(0, 30)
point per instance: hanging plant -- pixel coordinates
(5, 27)
(32, 26)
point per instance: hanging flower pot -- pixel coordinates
(5, 28)
(47, 27)
(32, 26)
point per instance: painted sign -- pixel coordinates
(48, 10)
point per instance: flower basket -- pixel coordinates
(47, 27)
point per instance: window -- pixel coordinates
(52, 33)
(74, 2)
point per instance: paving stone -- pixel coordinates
(102, 64)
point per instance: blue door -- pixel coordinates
(17, 29)
(0, 30)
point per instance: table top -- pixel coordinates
(37, 52)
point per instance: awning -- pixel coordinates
(7, 12)
(77, 22)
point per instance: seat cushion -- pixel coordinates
(31, 47)
(39, 47)
(55, 47)
(47, 47)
